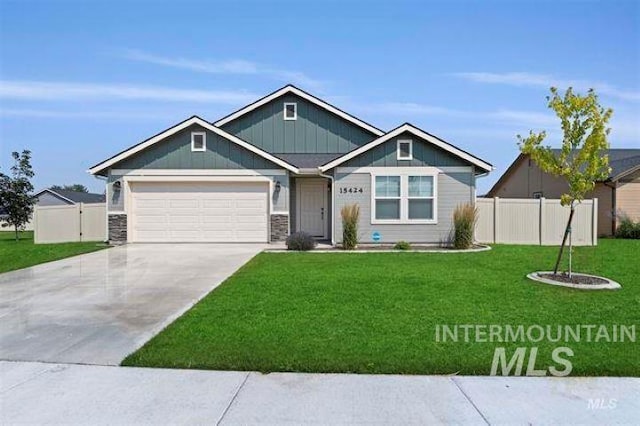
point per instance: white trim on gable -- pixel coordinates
(304, 95)
(415, 131)
(175, 129)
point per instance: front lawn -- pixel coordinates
(23, 253)
(377, 313)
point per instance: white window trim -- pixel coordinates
(295, 111)
(204, 141)
(404, 199)
(410, 142)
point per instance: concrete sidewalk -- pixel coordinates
(62, 393)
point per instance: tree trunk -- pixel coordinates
(17, 236)
(567, 229)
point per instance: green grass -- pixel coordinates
(377, 313)
(23, 253)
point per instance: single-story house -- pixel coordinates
(287, 162)
(618, 195)
(60, 197)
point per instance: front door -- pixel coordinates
(312, 206)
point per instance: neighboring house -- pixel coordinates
(287, 162)
(50, 197)
(617, 195)
(59, 197)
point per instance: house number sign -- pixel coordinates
(350, 190)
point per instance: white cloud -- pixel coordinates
(109, 115)
(66, 91)
(234, 66)
(522, 79)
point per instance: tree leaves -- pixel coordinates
(582, 160)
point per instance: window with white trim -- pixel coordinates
(198, 141)
(405, 149)
(420, 198)
(409, 197)
(290, 111)
(387, 198)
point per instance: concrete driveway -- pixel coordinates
(97, 308)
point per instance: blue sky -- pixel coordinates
(80, 81)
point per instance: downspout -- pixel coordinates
(333, 204)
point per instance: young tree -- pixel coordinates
(77, 187)
(582, 161)
(16, 197)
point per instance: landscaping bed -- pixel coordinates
(378, 313)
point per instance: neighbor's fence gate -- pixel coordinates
(531, 221)
(73, 223)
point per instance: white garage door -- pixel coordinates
(199, 212)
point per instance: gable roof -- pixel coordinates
(73, 197)
(100, 167)
(406, 127)
(291, 89)
(621, 161)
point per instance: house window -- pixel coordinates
(290, 111)
(405, 149)
(198, 141)
(420, 197)
(404, 198)
(387, 198)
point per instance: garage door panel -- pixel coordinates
(199, 212)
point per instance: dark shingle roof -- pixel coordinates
(620, 160)
(308, 161)
(81, 197)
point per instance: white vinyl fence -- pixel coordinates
(530, 221)
(78, 222)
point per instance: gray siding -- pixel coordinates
(175, 153)
(48, 199)
(315, 130)
(453, 189)
(424, 154)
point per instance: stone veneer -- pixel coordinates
(279, 227)
(117, 228)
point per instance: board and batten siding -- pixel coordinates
(174, 153)
(424, 154)
(315, 131)
(454, 188)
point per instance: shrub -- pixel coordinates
(402, 245)
(464, 222)
(628, 228)
(350, 216)
(301, 241)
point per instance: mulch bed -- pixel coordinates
(574, 279)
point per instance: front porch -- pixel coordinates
(310, 207)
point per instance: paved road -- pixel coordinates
(99, 307)
(79, 394)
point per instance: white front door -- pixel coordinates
(312, 206)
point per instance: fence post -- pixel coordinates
(496, 218)
(594, 222)
(541, 222)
